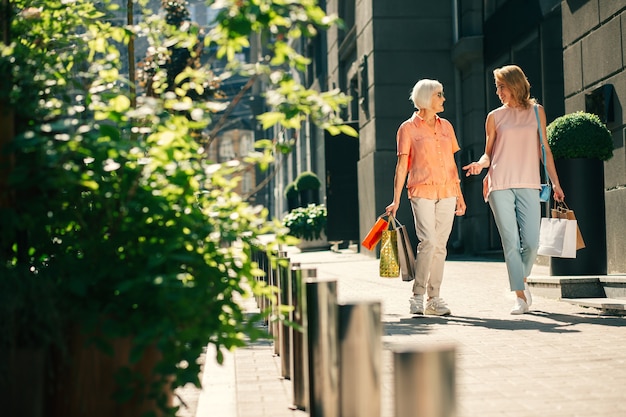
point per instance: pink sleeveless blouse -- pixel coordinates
(515, 156)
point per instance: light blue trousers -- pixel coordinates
(517, 212)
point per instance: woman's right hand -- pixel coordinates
(473, 168)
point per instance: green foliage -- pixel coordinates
(307, 180)
(47, 47)
(113, 217)
(306, 223)
(580, 135)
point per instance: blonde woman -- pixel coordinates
(513, 156)
(426, 146)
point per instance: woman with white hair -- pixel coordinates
(426, 147)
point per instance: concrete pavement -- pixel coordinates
(560, 360)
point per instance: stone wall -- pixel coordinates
(594, 32)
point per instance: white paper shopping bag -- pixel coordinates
(557, 238)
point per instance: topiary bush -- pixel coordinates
(307, 180)
(580, 135)
(291, 191)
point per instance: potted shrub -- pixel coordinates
(142, 252)
(580, 144)
(308, 185)
(292, 195)
(580, 135)
(308, 224)
(119, 240)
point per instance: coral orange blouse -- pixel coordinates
(432, 170)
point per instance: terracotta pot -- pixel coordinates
(84, 383)
(22, 385)
(7, 161)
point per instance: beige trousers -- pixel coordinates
(433, 224)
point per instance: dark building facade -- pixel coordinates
(594, 56)
(567, 48)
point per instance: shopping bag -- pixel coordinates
(406, 256)
(375, 233)
(561, 211)
(557, 238)
(389, 265)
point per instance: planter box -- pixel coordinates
(316, 244)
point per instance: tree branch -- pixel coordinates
(213, 133)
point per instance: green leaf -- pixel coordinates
(270, 119)
(349, 130)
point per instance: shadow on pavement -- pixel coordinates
(558, 323)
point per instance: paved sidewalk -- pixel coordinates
(559, 360)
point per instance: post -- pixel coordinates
(260, 257)
(284, 299)
(424, 381)
(323, 346)
(299, 362)
(263, 300)
(256, 257)
(360, 359)
(273, 302)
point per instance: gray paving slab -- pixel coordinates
(558, 360)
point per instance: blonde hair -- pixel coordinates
(515, 79)
(422, 92)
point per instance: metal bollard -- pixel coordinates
(299, 359)
(273, 303)
(284, 298)
(261, 260)
(424, 381)
(323, 347)
(265, 302)
(360, 359)
(256, 257)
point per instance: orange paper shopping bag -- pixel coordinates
(375, 233)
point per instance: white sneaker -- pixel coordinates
(417, 304)
(437, 307)
(520, 307)
(529, 296)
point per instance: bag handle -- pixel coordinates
(543, 149)
(394, 222)
(560, 205)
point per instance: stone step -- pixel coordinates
(566, 287)
(587, 286)
(614, 285)
(612, 306)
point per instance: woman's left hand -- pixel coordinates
(558, 194)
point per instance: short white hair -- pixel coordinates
(423, 91)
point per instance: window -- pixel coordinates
(226, 150)
(246, 145)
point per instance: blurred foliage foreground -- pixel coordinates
(114, 225)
